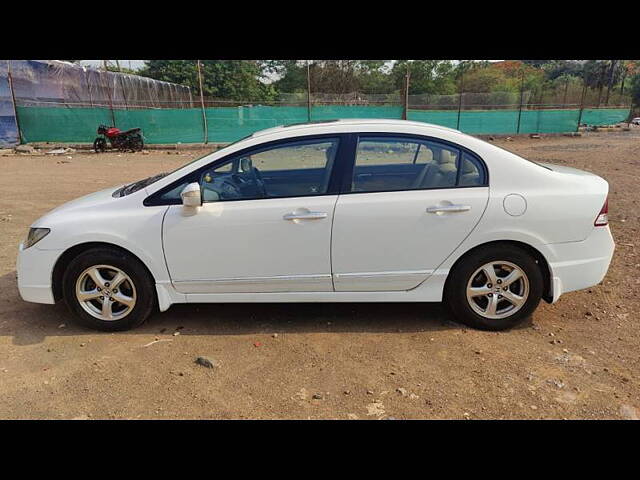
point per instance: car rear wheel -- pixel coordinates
(494, 288)
(107, 289)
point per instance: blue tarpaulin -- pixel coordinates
(8, 128)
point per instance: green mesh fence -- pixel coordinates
(604, 116)
(59, 124)
(163, 125)
(319, 113)
(550, 121)
(496, 121)
(227, 124)
(446, 118)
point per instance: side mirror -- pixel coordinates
(191, 196)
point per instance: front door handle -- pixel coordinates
(448, 208)
(305, 216)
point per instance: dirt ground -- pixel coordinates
(577, 359)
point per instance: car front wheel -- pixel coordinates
(494, 288)
(108, 290)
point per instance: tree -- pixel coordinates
(113, 68)
(426, 76)
(224, 79)
(554, 69)
(334, 76)
(292, 73)
(331, 76)
(374, 76)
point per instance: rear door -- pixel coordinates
(408, 203)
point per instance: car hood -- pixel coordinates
(92, 200)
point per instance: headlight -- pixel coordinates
(35, 235)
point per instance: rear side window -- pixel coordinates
(471, 172)
(389, 164)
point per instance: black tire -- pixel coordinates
(99, 145)
(137, 143)
(455, 294)
(142, 281)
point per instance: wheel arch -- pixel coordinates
(63, 262)
(539, 258)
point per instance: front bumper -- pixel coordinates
(34, 269)
(581, 264)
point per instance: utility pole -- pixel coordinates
(308, 92)
(204, 114)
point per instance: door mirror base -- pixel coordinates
(191, 195)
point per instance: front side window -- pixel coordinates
(289, 170)
(389, 164)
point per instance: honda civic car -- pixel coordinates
(338, 211)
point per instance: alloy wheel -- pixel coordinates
(497, 289)
(106, 292)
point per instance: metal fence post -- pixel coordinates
(204, 114)
(460, 94)
(13, 101)
(86, 79)
(521, 98)
(124, 92)
(584, 92)
(308, 92)
(106, 76)
(405, 105)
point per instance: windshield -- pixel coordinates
(140, 184)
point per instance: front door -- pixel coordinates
(264, 226)
(411, 203)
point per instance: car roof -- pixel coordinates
(309, 127)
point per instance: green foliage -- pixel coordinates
(226, 79)
(549, 81)
(113, 68)
(426, 76)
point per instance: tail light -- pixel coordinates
(603, 217)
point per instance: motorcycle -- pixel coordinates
(123, 141)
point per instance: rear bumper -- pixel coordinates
(581, 264)
(34, 269)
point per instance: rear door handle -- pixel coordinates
(448, 208)
(305, 216)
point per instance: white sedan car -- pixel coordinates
(340, 211)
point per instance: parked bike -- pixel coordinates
(123, 141)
